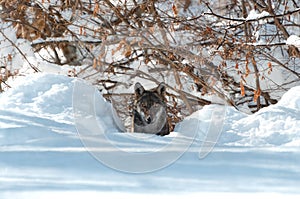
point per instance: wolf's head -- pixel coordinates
(147, 100)
(150, 114)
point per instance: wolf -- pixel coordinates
(150, 110)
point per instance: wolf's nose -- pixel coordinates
(148, 119)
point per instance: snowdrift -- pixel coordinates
(276, 125)
(53, 97)
(58, 133)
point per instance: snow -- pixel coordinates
(293, 40)
(59, 138)
(96, 195)
(9, 54)
(253, 15)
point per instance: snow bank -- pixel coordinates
(37, 114)
(50, 96)
(43, 154)
(272, 126)
(41, 95)
(276, 125)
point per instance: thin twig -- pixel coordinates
(20, 51)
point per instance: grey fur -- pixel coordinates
(150, 110)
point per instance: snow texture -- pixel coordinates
(253, 14)
(45, 154)
(293, 40)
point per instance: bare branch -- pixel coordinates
(20, 51)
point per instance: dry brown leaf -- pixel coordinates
(121, 44)
(81, 30)
(270, 68)
(96, 9)
(256, 94)
(9, 57)
(175, 10)
(247, 69)
(95, 63)
(128, 51)
(242, 88)
(270, 65)
(237, 66)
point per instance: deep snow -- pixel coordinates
(59, 137)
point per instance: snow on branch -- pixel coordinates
(293, 40)
(253, 16)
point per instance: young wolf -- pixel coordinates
(150, 110)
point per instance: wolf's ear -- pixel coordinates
(138, 89)
(161, 89)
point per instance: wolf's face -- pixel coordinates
(150, 114)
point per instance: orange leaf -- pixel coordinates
(237, 66)
(270, 67)
(256, 94)
(127, 52)
(9, 57)
(95, 63)
(175, 11)
(242, 88)
(269, 64)
(213, 82)
(119, 47)
(152, 29)
(208, 30)
(81, 30)
(96, 9)
(204, 91)
(247, 69)
(146, 61)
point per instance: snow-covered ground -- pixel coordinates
(59, 138)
